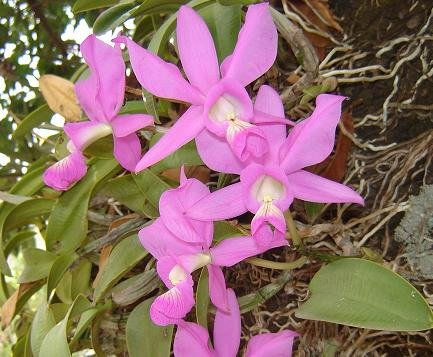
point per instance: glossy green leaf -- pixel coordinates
(67, 225)
(41, 324)
(37, 264)
(25, 212)
(122, 259)
(17, 239)
(148, 7)
(113, 17)
(361, 293)
(125, 190)
(223, 230)
(224, 23)
(86, 5)
(58, 269)
(133, 107)
(55, 343)
(202, 298)
(29, 184)
(186, 155)
(143, 337)
(74, 282)
(151, 186)
(33, 120)
(102, 148)
(84, 322)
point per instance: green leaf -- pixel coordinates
(313, 209)
(237, 2)
(13, 199)
(55, 343)
(143, 337)
(74, 282)
(67, 225)
(41, 324)
(16, 240)
(223, 230)
(148, 7)
(84, 322)
(86, 5)
(113, 17)
(101, 148)
(224, 23)
(151, 186)
(251, 301)
(134, 107)
(25, 212)
(37, 264)
(202, 298)
(186, 155)
(33, 120)
(122, 259)
(125, 190)
(361, 293)
(59, 267)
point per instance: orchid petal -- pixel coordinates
(217, 287)
(256, 48)
(310, 187)
(191, 340)
(101, 94)
(126, 124)
(164, 267)
(233, 250)
(247, 141)
(160, 78)
(172, 306)
(185, 129)
(127, 150)
(160, 242)
(196, 49)
(84, 133)
(173, 205)
(311, 141)
(271, 344)
(268, 101)
(217, 154)
(222, 204)
(267, 239)
(269, 213)
(64, 173)
(227, 328)
(225, 65)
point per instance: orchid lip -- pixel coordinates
(188, 264)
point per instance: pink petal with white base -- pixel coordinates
(247, 141)
(196, 49)
(222, 204)
(101, 94)
(227, 328)
(172, 306)
(186, 128)
(313, 188)
(311, 141)
(160, 78)
(217, 287)
(192, 340)
(84, 133)
(160, 242)
(271, 344)
(127, 150)
(256, 48)
(127, 124)
(269, 214)
(217, 154)
(64, 173)
(233, 250)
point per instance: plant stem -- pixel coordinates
(277, 265)
(292, 229)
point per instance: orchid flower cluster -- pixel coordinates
(232, 135)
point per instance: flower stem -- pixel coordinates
(292, 229)
(277, 265)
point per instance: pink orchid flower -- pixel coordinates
(101, 96)
(182, 245)
(267, 187)
(221, 109)
(193, 340)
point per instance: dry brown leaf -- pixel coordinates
(293, 78)
(120, 221)
(8, 308)
(60, 96)
(322, 7)
(103, 258)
